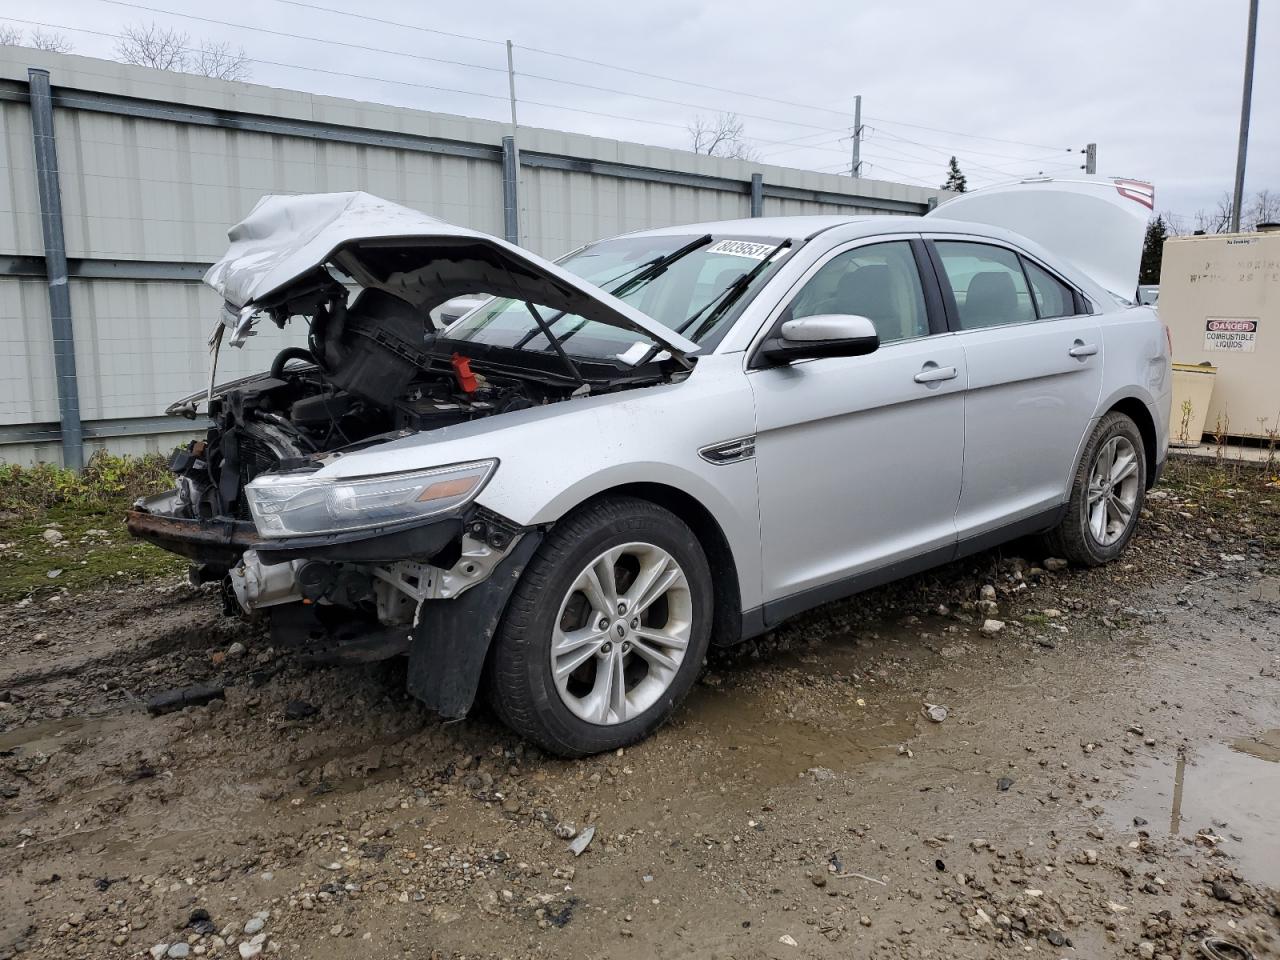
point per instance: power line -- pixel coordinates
(916, 158)
(997, 168)
(656, 76)
(678, 103)
(391, 23)
(971, 136)
(968, 151)
(403, 83)
(786, 145)
(907, 176)
(277, 63)
(567, 56)
(459, 63)
(303, 36)
(797, 145)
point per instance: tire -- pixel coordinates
(575, 711)
(1076, 538)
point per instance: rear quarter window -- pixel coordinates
(1053, 297)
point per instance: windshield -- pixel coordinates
(691, 286)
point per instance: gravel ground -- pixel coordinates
(1105, 782)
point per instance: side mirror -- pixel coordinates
(825, 335)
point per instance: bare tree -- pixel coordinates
(1264, 209)
(150, 45)
(53, 42)
(1174, 223)
(720, 137)
(1217, 220)
(221, 61)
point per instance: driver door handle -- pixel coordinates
(1080, 349)
(932, 373)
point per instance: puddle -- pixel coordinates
(48, 736)
(762, 741)
(1230, 788)
(821, 706)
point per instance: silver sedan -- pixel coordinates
(675, 438)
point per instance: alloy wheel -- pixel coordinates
(1113, 491)
(621, 633)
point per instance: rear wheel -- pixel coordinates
(606, 631)
(1107, 494)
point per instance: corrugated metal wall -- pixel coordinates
(154, 166)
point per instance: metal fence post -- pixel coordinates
(757, 194)
(55, 265)
(510, 190)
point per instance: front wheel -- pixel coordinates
(606, 630)
(1107, 494)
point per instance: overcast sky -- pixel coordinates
(1011, 88)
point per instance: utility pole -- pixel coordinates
(512, 191)
(855, 166)
(1245, 100)
(1090, 159)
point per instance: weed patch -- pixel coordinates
(62, 529)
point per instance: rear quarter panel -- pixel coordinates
(1138, 365)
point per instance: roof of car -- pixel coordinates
(794, 227)
(838, 229)
(798, 228)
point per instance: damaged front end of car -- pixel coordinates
(362, 567)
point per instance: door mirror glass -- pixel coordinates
(823, 335)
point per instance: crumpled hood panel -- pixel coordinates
(285, 238)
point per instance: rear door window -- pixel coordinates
(989, 286)
(1053, 297)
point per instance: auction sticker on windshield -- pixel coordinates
(743, 248)
(1230, 334)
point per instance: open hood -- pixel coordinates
(1095, 223)
(283, 247)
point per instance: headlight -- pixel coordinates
(292, 506)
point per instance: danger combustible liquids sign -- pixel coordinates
(1230, 334)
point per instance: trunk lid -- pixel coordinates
(1097, 224)
(286, 241)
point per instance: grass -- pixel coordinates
(87, 508)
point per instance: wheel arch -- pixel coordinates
(1138, 412)
(726, 622)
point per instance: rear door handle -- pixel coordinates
(1080, 349)
(932, 373)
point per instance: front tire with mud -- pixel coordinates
(606, 631)
(1107, 493)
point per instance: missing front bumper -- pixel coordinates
(216, 543)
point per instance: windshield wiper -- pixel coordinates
(648, 271)
(722, 301)
(656, 268)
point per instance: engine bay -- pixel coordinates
(371, 372)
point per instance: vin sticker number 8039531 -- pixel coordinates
(1230, 334)
(742, 248)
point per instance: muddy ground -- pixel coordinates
(1106, 782)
